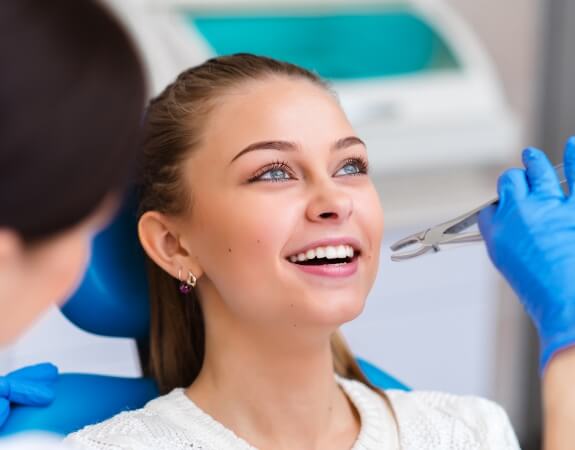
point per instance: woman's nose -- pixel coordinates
(330, 205)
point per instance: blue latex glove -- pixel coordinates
(32, 386)
(530, 237)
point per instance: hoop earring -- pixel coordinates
(187, 285)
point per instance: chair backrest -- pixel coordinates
(112, 300)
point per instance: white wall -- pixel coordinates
(53, 338)
(432, 321)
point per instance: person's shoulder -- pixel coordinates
(456, 421)
(125, 430)
(449, 404)
(141, 429)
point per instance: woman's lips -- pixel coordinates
(339, 270)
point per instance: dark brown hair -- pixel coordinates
(72, 92)
(173, 129)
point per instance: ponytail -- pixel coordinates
(176, 334)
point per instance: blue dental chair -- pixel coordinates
(112, 300)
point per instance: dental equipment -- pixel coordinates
(447, 233)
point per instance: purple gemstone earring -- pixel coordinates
(187, 285)
(184, 288)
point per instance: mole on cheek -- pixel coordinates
(229, 250)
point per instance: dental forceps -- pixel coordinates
(450, 232)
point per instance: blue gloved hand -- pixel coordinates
(31, 385)
(530, 237)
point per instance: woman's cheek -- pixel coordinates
(373, 215)
(372, 220)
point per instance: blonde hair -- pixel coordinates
(173, 128)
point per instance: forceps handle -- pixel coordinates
(473, 216)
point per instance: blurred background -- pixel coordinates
(445, 93)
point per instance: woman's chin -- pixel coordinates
(336, 310)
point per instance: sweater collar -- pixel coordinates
(377, 425)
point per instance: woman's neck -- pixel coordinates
(273, 395)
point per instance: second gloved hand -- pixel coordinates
(530, 237)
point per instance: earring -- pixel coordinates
(187, 286)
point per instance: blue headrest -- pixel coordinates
(112, 299)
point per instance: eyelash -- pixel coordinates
(277, 165)
(362, 166)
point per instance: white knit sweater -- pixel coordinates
(427, 420)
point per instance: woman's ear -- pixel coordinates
(11, 247)
(13, 273)
(160, 239)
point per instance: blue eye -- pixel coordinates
(278, 171)
(274, 175)
(354, 166)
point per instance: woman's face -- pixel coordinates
(280, 176)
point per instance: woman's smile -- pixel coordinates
(335, 257)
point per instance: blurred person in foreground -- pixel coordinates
(72, 92)
(530, 237)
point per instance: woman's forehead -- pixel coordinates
(276, 108)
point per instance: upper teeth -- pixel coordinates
(329, 252)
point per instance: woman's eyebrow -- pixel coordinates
(292, 146)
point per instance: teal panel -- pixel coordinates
(337, 46)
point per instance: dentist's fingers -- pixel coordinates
(541, 176)
(569, 165)
(485, 222)
(512, 185)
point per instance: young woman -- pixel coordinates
(263, 232)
